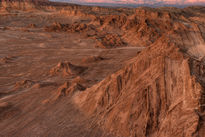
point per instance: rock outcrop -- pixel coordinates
(67, 69)
(20, 4)
(155, 95)
(92, 59)
(24, 84)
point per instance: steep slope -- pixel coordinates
(161, 92)
(155, 95)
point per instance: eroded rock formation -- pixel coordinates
(157, 93)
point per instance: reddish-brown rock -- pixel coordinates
(155, 95)
(145, 79)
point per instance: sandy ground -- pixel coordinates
(28, 54)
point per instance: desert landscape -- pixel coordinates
(68, 70)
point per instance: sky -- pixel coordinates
(138, 1)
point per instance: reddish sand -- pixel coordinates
(77, 71)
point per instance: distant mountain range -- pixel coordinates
(136, 2)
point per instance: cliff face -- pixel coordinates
(161, 91)
(155, 95)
